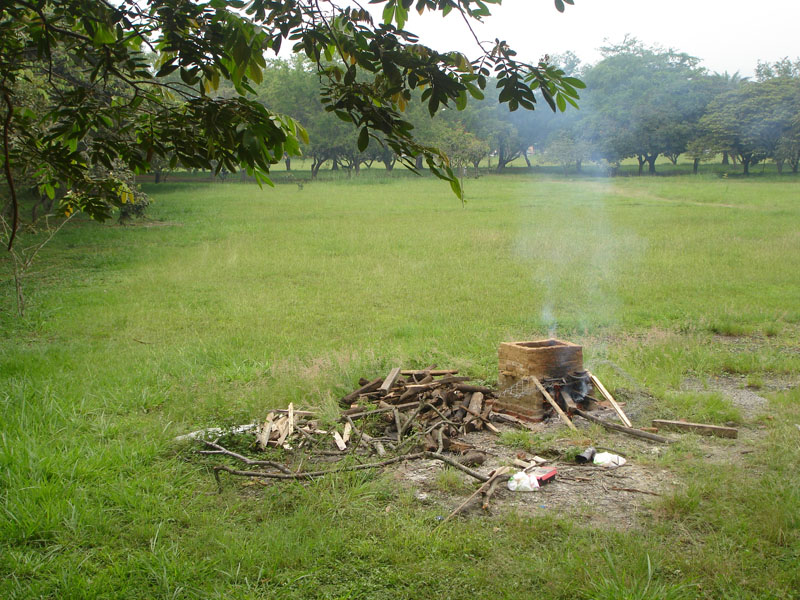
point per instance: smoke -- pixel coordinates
(575, 253)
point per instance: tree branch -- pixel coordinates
(7, 167)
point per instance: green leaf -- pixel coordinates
(363, 139)
(104, 35)
(560, 5)
(474, 91)
(461, 100)
(388, 12)
(574, 82)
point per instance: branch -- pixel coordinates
(7, 167)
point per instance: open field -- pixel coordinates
(231, 300)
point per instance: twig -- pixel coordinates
(622, 489)
(286, 474)
(411, 418)
(487, 483)
(248, 461)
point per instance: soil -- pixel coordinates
(590, 493)
(579, 491)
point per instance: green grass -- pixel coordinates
(235, 300)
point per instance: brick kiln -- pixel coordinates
(557, 364)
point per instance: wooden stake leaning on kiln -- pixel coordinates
(605, 393)
(553, 403)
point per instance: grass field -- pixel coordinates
(231, 300)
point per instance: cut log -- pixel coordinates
(389, 382)
(466, 388)
(632, 432)
(605, 393)
(569, 403)
(474, 408)
(699, 428)
(553, 403)
(434, 372)
(364, 389)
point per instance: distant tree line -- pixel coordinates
(641, 102)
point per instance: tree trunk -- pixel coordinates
(157, 175)
(315, 165)
(288, 162)
(335, 165)
(651, 161)
(641, 160)
(746, 164)
(724, 158)
(578, 165)
(418, 163)
(779, 164)
(695, 165)
(525, 154)
(795, 164)
(389, 164)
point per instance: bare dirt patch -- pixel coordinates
(614, 498)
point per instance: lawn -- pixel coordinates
(231, 300)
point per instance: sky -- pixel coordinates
(727, 35)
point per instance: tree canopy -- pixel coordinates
(92, 86)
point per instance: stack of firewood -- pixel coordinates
(429, 407)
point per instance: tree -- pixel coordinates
(644, 102)
(756, 121)
(120, 109)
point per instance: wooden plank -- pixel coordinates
(282, 426)
(632, 432)
(699, 428)
(346, 433)
(435, 372)
(390, 380)
(339, 441)
(265, 431)
(554, 404)
(605, 393)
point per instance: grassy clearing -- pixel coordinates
(234, 300)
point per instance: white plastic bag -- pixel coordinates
(606, 459)
(523, 482)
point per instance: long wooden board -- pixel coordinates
(699, 428)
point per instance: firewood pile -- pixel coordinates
(405, 416)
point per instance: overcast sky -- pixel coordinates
(727, 35)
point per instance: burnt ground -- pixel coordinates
(587, 492)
